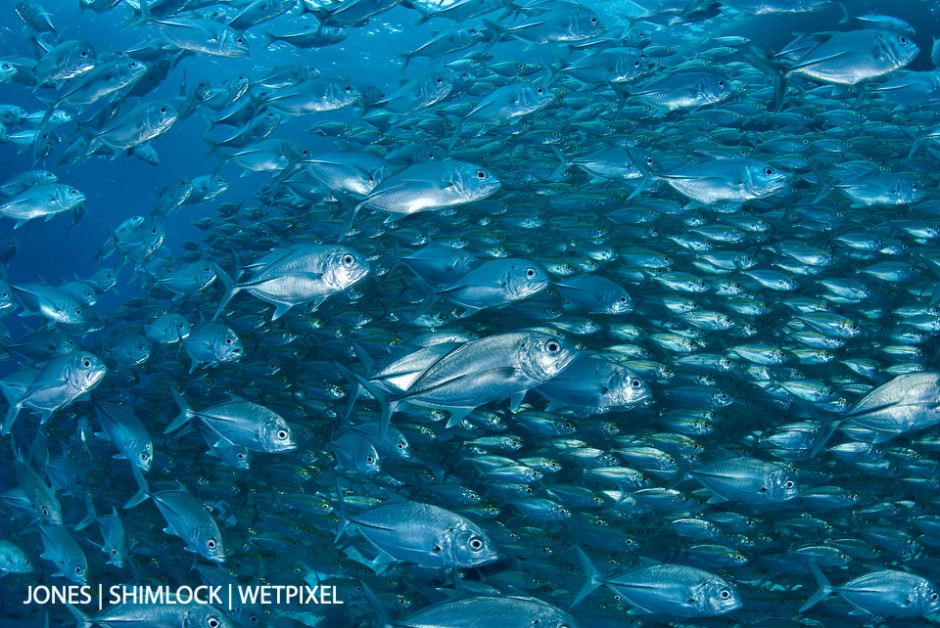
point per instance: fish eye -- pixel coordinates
(934, 596)
(85, 52)
(476, 544)
(721, 83)
(481, 174)
(636, 64)
(530, 273)
(636, 383)
(553, 347)
(133, 64)
(788, 484)
(370, 459)
(210, 544)
(78, 569)
(86, 363)
(212, 622)
(154, 230)
(725, 594)
(902, 39)
(73, 191)
(144, 455)
(228, 341)
(239, 40)
(162, 109)
(348, 88)
(348, 259)
(114, 551)
(281, 434)
(594, 21)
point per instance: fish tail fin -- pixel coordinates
(498, 33)
(380, 613)
(349, 221)
(11, 415)
(143, 490)
(825, 588)
(593, 578)
(426, 305)
(563, 163)
(828, 429)
(186, 413)
(91, 515)
(777, 72)
(353, 379)
(343, 521)
(230, 288)
(84, 621)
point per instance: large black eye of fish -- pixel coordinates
(481, 174)
(553, 347)
(281, 434)
(212, 622)
(476, 544)
(530, 273)
(348, 260)
(769, 171)
(239, 41)
(210, 544)
(228, 341)
(725, 594)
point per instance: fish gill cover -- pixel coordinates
(470, 312)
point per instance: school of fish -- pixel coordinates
(574, 314)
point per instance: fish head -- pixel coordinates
(68, 197)
(132, 351)
(205, 616)
(276, 435)
(909, 190)
(718, 596)
(132, 69)
(104, 279)
(227, 345)
(782, 485)
(143, 454)
(233, 45)
(625, 389)
(926, 598)
(209, 544)
(525, 279)
(465, 545)
(898, 47)
(341, 93)
(762, 179)
(585, 24)
(85, 371)
(474, 183)
(78, 57)
(544, 355)
(345, 267)
(160, 116)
